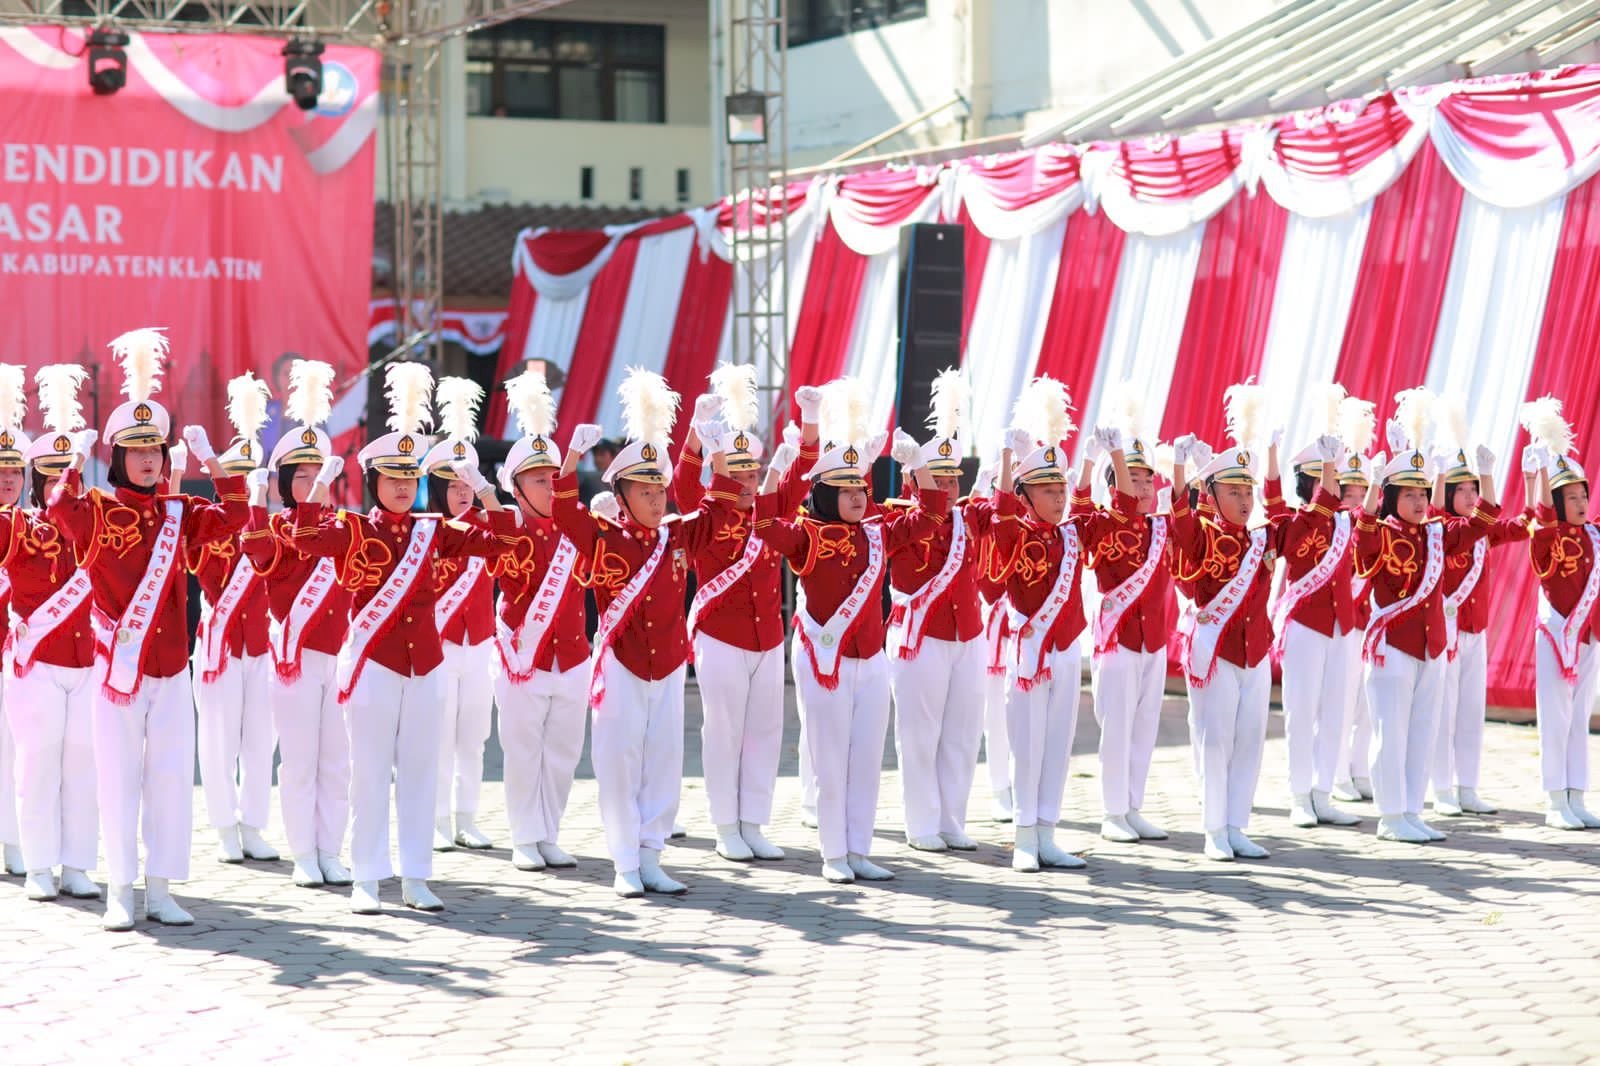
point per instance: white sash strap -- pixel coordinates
(455, 597)
(824, 641)
(1565, 633)
(717, 587)
(1463, 592)
(214, 626)
(1116, 603)
(125, 666)
(520, 649)
(1311, 581)
(1376, 640)
(288, 637)
(908, 617)
(27, 634)
(616, 614)
(380, 611)
(996, 636)
(1206, 624)
(1029, 633)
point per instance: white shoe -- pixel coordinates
(867, 870)
(1560, 815)
(119, 910)
(14, 864)
(1472, 803)
(1398, 827)
(1146, 829)
(1579, 811)
(808, 817)
(333, 871)
(75, 884)
(1004, 809)
(1415, 818)
(1116, 829)
(1327, 813)
(415, 893)
(527, 857)
(654, 878)
(933, 843)
(1445, 804)
(731, 845)
(229, 850)
(1364, 787)
(364, 898)
(468, 835)
(41, 886)
(443, 838)
(1050, 855)
(1300, 811)
(308, 872)
(627, 885)
(255, 846)
(760, 846)
(838, 872)
(1245, 848)
(958, 842)
(159, 906)
(1346, 792)
(1026, 855)
(1217, 846)
(555, 858)
(678, 831)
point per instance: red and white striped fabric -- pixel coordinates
(1439, 235)
(480, 332)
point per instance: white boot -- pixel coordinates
(1301, 813)
(527, 857)
(1026, 855)
(308, 871)
(1364, 787)
(1346, 792)
(75, 884)
(1398, 827)
(932, 843)
(41, 886)
(415, 893)
(1579, 811)
(333, 871)
(654, 878)
(1415, 818)
(731, 845)
(1050, 855)
(1327, 813)
(364, 898)
(958, 842)
(627, 884)
(159, 906)
(838, 872)
(1217, 846)
(255, 846)
(867, 870)
(119, 910)
(808, 817)
(1472, 803)
(1245, 848)
(554, 857)
(1445, 804)
(1116, 828)
(760, 846)
(13, 858)
(468, 835)
(1004, 808)
(1560, 815)
(678, 831)
(229, 850)
(443, 838)
(1146, 829)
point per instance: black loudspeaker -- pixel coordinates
(932, 281)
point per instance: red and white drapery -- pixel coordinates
(481, 332)
(1439, 235)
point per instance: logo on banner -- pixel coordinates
(338, 90)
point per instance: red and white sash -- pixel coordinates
(520, 649)
(1028, 633)
(1454, 600)
(28, 633)
(379, 613)
(1567, 644)
(1115, 604)
(996, 636)
(1311, 581)
(287, 637)
(824, 641)
(1384, 617)
(212, 641)
(718, 586)
(455, 597)
(908, 613)
(125, 650)
(616, 614)
(1204, 625)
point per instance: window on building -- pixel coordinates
(636, 183)
(683, 185)
(586, 183)
(816, 20)
(584, 71)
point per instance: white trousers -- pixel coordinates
(10, 832)
(144, 777)
(741, 696)
(1404, 695)
(996, 745)
(1041, 724)
(1458, 746)
(1355, 740)
(51, 713)
(1128, 689)
(1316, 703)
(236, 740)
(314, 753)
(938, 725)
(636, 745)
(394, 737)
(468, 680)
(845, 730)
(541, 732)
(1227, 732)
(1563, 712)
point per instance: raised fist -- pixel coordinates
(1329, 448)
(199, 443)
(332, 467)
(709, 405)
(584, 438)
(809, 399)
(1019, 442)
(605, 505)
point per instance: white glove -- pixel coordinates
(1395, 434)
(1486, 460)
(332, 467)
(179, 454)
(1112, 438)
(906, 451)
(791, 435)
(1183, 448)
(1276, 439)
(471, 476)
(1330, 449)
(708, 406)
(1376, 465)
(987, 473)
(783, 457)
(258, 485)
(1200, 453)
(199, 443)
(1534, 459)
(1094, 447)
(715, 436)
(1020, 442)
(874, 446)
(83, 442)
(809, 399)
(605, 505)
(584, 438)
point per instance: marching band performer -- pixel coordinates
(464, 613)
(388, 671)
(1565, 551)
(310, 613)
(736, 622)
(49, 694)
(993, 569)
(132, 542)
(638, 569)
(232, 661)
(541, 685)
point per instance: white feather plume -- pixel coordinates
(528, 396)
(1123, 408)
(649, 406)
(741, 406)
(409, 390)
(1453, 419)
(1546, 425)
(845, 412)
(1358, 424)
(58, 396)
(1331, 396)
(247, 404)
(1414, 410)
(310, 401)
(952, 399)
(141, 353)
(13, 395)
(1246, 404)
(458, 400)
(1045, 410)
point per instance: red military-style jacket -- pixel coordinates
(521, 571)
(269, 544)
(1118, 539)
(1393, 554)
(1307, 537)
(38, 560)
(474, 622)
(1562, 558)
(1206, 554)
(213, 566)
(956, 614)
(1036, 551)
(1473, 615)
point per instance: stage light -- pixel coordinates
(108, 63)
(302, 72)
(747, 118)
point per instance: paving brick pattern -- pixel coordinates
(1340, 949)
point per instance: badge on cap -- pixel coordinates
(406, 446)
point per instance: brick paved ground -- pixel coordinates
(1340, 949)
